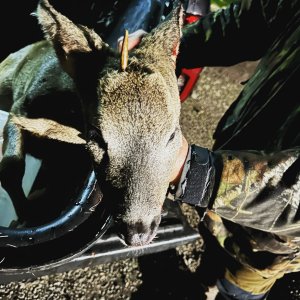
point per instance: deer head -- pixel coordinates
(131, 111)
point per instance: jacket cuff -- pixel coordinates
(197, 179)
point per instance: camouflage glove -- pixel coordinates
(197, 179)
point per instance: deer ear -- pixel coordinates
(165, 39)
(49, 129)
(68, 38)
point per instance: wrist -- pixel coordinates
(176, 186)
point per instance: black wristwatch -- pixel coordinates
(197, 179)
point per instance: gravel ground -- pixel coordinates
(145, 277)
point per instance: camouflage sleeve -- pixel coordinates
(260, 191)
(243, 31)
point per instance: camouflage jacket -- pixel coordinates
(255, 213)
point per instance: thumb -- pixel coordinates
(133, 39)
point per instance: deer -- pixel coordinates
(124, 108)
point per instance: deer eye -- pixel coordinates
(95, 135)
(172, 137)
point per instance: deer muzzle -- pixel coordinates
(139, 233)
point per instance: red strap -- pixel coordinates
(191, 77)
(191, 19)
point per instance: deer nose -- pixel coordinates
(139, 233)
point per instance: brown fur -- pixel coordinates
(135, 112)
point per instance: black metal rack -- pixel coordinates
(173, 231)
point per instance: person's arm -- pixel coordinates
(242, 31)
(250, 188)
(260, 191)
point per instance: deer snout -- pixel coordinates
(139, 233)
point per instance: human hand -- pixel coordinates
(179, 164)
(133, 39)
